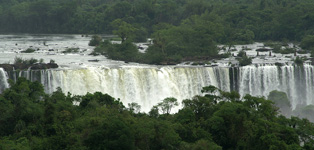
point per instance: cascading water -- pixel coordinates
(3, 80)
(146, 86)
(296, 81)
(149, 85)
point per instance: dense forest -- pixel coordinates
(218, 120)
(223, 20)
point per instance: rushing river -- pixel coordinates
(51, 47)
(146, 84)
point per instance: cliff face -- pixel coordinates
(12, 67)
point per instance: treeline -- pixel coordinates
(31, 119)
(223, 20)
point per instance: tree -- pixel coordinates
(167, 104)
(307, 42)
(123, 29)
(95, 41)
(298, 61)
(134, 107)
(281, 101)
(245, 60)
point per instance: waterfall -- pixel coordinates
(3, 80)
(145, 85)
(296, 81)
(149, 85)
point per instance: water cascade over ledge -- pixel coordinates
(149, 85)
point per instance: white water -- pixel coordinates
(3, 80)
(149, 85)
(146, 86)
(296, 82)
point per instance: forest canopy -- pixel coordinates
(31, 119)
(225, 20)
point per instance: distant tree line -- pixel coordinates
(222, 21)
(218, 120)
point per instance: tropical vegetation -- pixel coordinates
(31, 119)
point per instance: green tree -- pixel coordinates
(123, 29)
(95, 41)
(307, 42)
(167, 104)
(281, 101)
(134, 107)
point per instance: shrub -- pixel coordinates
(29, 50)
(241, 54)
(32, 61)
(95, 41)
(52, 61)
(18, 60)
(71, 50)
(243, 61)
(298, 61)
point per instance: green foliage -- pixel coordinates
(41, 61)
(19, 60)
(134, 107)
(52, 61)
(103, 49)
(241, 54)
(244, 36)
(19, 144)
(234, 21)
(95, 41)
(167, 104)
(245, 60)
(124, 30)
(71, 50)
(298, 61)
(281, 101)
(126, 51)
(30, 119)
(307, 42)
(29, 50)
(284, 50)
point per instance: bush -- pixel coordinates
(52, 61)
(95, 41)
(278, 49)
(29, 50)
(241, 54)
(19, 60)
(32, 61)
(298, 61)
(244, 61)
(41, 61)
(71, 50)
